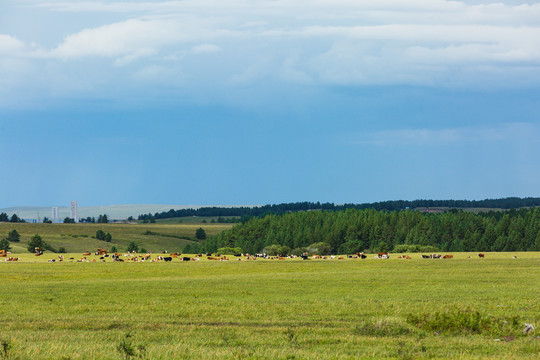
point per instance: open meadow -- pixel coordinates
(81, 237)
(271, 309)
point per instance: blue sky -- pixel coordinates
(253, 102)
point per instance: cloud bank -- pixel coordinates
(434, 43)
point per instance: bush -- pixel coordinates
(458, 321)
(200, 234)
(13, 236)
(413, 248)
(299, 251)
(229, 250)
(320, 248)
(37, 242)
(4, 245)
(277, 250)
(193, 248)
(132, 247)
(62, 250)
(100, 235)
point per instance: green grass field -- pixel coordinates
(78, 237)
(270, 309)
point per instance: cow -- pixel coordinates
(87, 253)
(168, 258)
(304, 257)
(185, 258)
(481, 255)
(101, 252)
(448, 256)
(383, 255)
(426, 257)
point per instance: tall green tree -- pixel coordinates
(200, 234)
(132, 246)
(4, 245)
(100, 235)
(36, 242)
(14, 236)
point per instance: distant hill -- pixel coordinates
(247, 211)
(118, 212)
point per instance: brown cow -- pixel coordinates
(481, 255)
(448, 256)
(87, 253)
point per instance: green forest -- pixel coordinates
(247, 212)
(354, 230)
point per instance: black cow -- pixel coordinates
(168, 258)
(186, 259)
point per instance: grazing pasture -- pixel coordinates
(81, 237)
(318, 309)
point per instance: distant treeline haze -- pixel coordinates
(353, 230)
(258, 211)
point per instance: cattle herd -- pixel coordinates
(102, 255)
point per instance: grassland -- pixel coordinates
(79, 237)
(292, 309)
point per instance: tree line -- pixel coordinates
(354, 230)
(14, 218)
(246, 212)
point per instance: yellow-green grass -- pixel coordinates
(270, 309)
(79, 237)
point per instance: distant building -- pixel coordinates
(55, 213)
(74, 211)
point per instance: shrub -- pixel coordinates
(100, 235)
(229, 250)
(14, 236)
(277, 250)
(132, 246)
(4, 245)
(37, 242)
(299, 251)
(458, 320)
(200, 234)
(320, 248)
(413, 248)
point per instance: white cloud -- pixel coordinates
(10, 45)
(205, 49)
(137, 54)
(316, 42)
